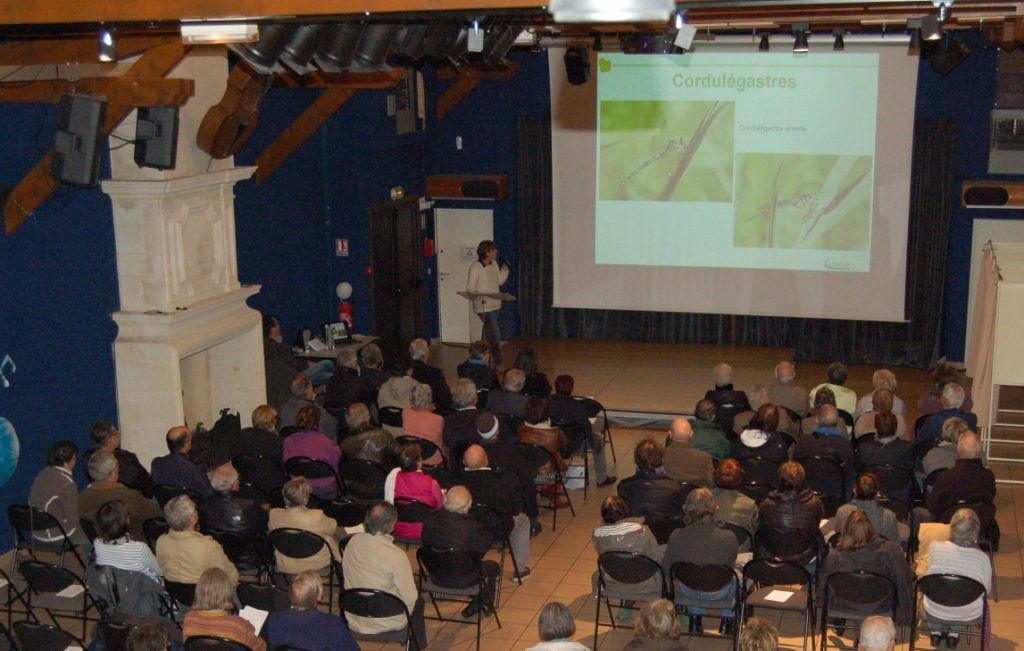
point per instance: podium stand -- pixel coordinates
(472, 317)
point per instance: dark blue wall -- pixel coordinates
(58, 286)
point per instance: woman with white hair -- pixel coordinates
(211, 613)
(297, 515)
(420, 421)
(303, 626)
(883, 378)
(958, 555)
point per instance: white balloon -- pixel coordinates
(344, 291)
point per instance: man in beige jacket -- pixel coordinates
(184, 553)
(296, 515)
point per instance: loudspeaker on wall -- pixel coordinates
(76, 147)
(577, 65)
(156, 137)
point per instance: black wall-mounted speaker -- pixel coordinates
(994, 194)
(577, 65)
(76, 147)
(156, 137)
(946, 54)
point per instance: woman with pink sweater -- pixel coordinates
(408, 481)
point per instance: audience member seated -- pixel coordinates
(372, 560)
(303, 395)
(371, 368)
(132, 473)
(310, 442)
(952, 407)
(504, 454)
(262, 437)
(683, 462)
(877, 633)
(509, 400)
(733, 506)
(211, 613)
(944, 454)
(297, 515)
(758, 634)
(453, 528)
(419, 353)
(846, 399)
(459, 428)
(303, 626)
(828, 442)
(707, 435)
(396, 392)
(701, 543)
(420, 421)
(54, 490)
(967, 480)
(114, 546)
(650, 494)
(791, 506)
(176, 469)
(537, 429)
(810, 423)
(376, 445)
(183, 552)
(762, 437)
(536, 384)
(861, 548)
(881, 402)
(357, 420)
(147, 637)
(563, 408)
(882, 519)
(281, 366)
(728, 401)
(556, 627)
(346, 386)
(226, 511)
(622, 533)
(758, 398)
(105, 487)
(784, 393)
(503, 492)
(885, 447)
(881, 379)
(408, 481)
(958, 555)
(657, 628)
(477, 368)
(931, 401)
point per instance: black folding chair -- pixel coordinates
(894, 481)
(390, 416)
(88, 528)
(452, 575)
(311, 468)
(493, 522)
(743, 537)
(847, 417)
(760, 470)
(793, 545)
(12, 644)
(370, 603)
(59, 592)
(427, 448)
(411, 511)
(707, 579)
(183, 593)
(153, 528)
(212, 643)
(345, 511)
(583, 448)
(986, 512)
(868, 593)
(933, 476)
(248, 556)
(363, 479)
(27, 521)
(11, 591)
(265, 597)
(553, 488)
(260, 471)
(595, 408)
(298, 543)
(37, 637)
(164, 493)
(113, 635)
(951, 591)
(756, 490)
(825, 478)
(761, 575)
(625, 569)
(481, 398)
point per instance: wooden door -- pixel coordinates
(397, 255)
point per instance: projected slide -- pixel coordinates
(747, 161)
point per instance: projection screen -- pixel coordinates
(733, 181)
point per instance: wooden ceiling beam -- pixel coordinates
(466, 79)
(117, 90)
(36, 187)
(344, 80)
(20, 12)
(300, 130)
(60, 51)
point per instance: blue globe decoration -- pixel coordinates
(9, 450)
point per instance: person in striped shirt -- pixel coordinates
(114, 545)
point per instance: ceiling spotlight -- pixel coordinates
(931, 30)
(475, 38)
(800, 37)
(943, 11)
(604, 11)
(108, 47)
(764, 45)
(217, 31)
(838, 45)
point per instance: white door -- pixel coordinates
(458, 232)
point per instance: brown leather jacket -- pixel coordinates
(552, 439)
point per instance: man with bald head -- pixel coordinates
(176, 469)
(683, 462)
(967, 480)
(877, 633)
(454, 528)
(784, 393)
(501, 492)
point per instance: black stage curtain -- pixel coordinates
(914, 343)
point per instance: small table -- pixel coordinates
(358, 341)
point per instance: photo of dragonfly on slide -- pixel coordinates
(666, 151)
